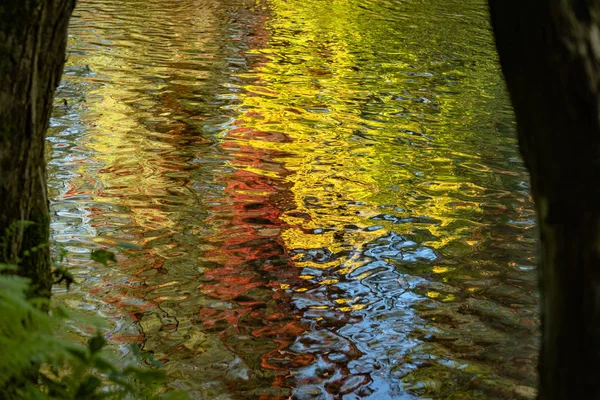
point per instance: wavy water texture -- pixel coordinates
(328, 196)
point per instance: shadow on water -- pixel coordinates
(328, 196)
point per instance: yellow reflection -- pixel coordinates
(125, 103)
(449, 298)
(345, 126)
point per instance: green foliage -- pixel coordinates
(36, 364)
(13, 230)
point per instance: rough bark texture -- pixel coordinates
(550, 56)
(32, 52)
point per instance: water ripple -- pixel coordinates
(328, 196)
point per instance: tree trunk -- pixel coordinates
(550, 55)
(33, 37)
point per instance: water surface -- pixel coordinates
(328, 196)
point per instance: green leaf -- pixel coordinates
(96, 343)
(60, 312)
(40, 302)
(103, 256)
(104, 365)
(63, 275)
(79, 354)
(116, 378)
(87, 387)
(9, 267)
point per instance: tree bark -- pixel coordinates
(550, 55)
(33, 37)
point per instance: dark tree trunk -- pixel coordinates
(550, 55)
(33, 37)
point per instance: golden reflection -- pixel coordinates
(322, 101)
(127, 104)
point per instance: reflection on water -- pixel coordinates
(328, 196)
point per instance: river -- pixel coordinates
(327, 195)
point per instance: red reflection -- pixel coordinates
(251, 257)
